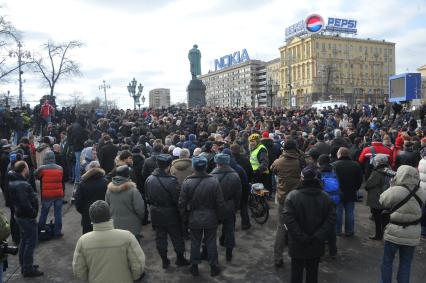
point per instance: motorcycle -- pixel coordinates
(258, 203)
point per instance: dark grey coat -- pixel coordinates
(230, 184)
(163, 200)
(201, 201)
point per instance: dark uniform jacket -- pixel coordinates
(230, 184)
(309, 216)
(162, 193)
(201, 199)
(93, 187)
(22, 196)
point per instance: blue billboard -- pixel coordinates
(405, 87)
(231, 59)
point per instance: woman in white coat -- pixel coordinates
(402, 234)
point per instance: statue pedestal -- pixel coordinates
(196, 93)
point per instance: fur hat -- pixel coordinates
(99, 212)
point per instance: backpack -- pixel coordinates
(4, 227)
(331, 186)
(47, 233)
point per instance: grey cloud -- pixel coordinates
(96, 73)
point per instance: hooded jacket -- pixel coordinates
(287, 168)
(92, 187)
(40, 153)
(50, 175)
(126, 205)
(181, 168)
(410, 211)
(108, 255)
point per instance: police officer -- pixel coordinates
(162, 191)
(231, 188)
(201, 200)
(259, 160)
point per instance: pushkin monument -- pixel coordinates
(196, 89)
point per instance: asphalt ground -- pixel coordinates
(358, 259)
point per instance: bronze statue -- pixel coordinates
(194, 56)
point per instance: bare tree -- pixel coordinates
(57, 64)
(8, 33)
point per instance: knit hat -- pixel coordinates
(199, 163)
(99, 212)
(49, 157)
(309, 173)
(265, 134)
(222, 159)
(192, 137)
(380, 159)
(176, 151)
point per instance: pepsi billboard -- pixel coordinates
(315, 23)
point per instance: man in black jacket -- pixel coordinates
(25, 204)
(201, 200)
(408, 156)
(350, 177)
(162, 193)
(77, 135)
(231, 188)
(309, 217)
(106, 154)
(93, 187)
(150, 163)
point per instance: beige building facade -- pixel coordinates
(331, 67)
(159, 98)
(273, 70)
(239, 85)
(422, 71)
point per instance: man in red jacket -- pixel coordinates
(50, 175)
(370, 151)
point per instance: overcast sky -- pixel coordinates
(149, 40)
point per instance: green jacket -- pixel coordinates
(108, 255)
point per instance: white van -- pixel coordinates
(321, 104)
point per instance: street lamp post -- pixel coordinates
(143, 100)
(104, 87)
(131, 88)
(20, 54)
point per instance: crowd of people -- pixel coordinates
(188, 171)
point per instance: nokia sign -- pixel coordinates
(315, 23)
(231, 59)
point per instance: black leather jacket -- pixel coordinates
(22, 196)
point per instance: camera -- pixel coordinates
(6, 249)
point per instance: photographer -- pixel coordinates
(4, 234)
